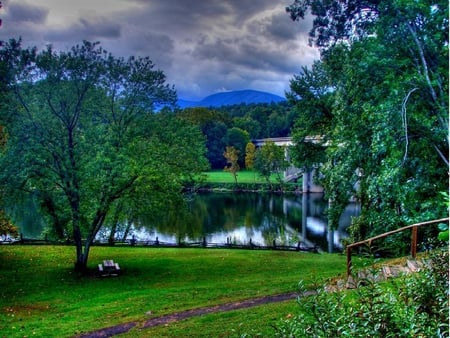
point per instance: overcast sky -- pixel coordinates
(203, 46)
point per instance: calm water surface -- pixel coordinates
(238, 218)
(263, 218)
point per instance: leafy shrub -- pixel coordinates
(7, 228)
(414, 305)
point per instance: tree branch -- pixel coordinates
(405, 122)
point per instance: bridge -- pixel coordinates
(292, 173)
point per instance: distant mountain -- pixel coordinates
(247, 96)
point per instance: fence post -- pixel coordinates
(414, 241)
(349, 261)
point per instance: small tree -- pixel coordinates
(232, 156)
(250, 154)
(270, 159)
(6, 226)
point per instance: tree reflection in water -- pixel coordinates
(239, 217)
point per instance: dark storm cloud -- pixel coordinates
(87, 28)
(26, 13)
(99, 27)
(202, 46)
(282, 29)
(252, 55)
(159, 47)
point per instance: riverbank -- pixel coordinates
(247, 181)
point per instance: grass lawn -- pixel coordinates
(41, 296)
(244, 176)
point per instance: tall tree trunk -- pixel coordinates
(112, 233)
(127, 229)
(115, 223)
(81, 260)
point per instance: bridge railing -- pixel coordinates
(413, 229)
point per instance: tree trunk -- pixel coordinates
(115, 224)
(112, 233)
(81, 258)
(127, 229)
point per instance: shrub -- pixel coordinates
(414, 305)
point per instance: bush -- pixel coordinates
(414, 305)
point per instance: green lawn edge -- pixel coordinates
(247, 180)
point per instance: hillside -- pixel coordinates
(233, 97)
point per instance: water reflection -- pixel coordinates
(261, 218)
(223, 217)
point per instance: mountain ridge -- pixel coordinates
(246, 96)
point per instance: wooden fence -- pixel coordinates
(300, 246)
(413, 229)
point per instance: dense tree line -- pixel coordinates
(378, 101)
(236, 125)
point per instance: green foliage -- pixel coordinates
(83, 138)
(261, 120)
(7, 228)
(378, 99)
(235, 125)
(214, 126)
(250, 154)
(270, 160)
(232, 156)
(312, 98)
(414, 305)
(444, 232)
(238, 139)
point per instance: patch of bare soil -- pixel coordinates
(178, 316)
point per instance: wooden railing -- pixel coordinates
(413, 228)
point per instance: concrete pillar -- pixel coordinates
(308, 182)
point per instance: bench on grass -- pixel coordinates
(109, 268)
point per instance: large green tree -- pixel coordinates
(84, 140)
(379, 96)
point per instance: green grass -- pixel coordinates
(244, 176)
(255, 321)
(41, 296)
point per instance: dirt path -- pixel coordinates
(174, 317)
(410, 266)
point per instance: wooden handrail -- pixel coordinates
(413, 228)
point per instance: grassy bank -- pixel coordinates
(247, 180)
(244, 176)
(42, 297)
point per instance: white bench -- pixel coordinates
(109, 268)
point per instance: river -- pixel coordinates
(237, 218)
